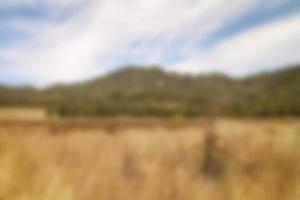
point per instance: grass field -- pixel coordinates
(147, 159)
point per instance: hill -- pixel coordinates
(153, 92)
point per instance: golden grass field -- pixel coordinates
(147, 159)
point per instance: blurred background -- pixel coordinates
(149, 99)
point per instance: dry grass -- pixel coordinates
(18, 113)
(259, 159)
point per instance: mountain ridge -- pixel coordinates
(141, 91)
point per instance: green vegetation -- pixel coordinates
(153, 92)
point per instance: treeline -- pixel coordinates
(172, 108)
(111, 107)
(140, 92)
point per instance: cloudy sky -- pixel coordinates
(47, 41)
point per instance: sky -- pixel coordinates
(43, 42)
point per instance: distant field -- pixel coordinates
(147, 159)
(22, 113)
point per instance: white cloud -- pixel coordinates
(103, 31)
(265, 47)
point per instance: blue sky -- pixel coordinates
(47, 41)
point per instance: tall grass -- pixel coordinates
(260, 160)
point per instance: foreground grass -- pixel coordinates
(257, 159)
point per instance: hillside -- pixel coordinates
(151, 91)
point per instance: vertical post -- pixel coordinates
(212, 163)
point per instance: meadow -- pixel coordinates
(147, 159)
